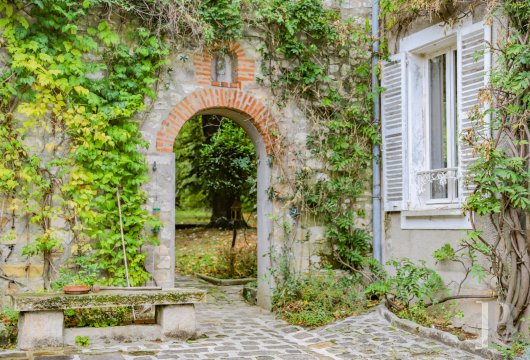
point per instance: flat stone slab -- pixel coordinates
(107, 298)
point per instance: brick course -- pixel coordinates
(245, 68)
(211, 98)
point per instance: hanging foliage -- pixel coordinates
(323, 64)
(74, 81)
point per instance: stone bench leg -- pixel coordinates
(39, 329)
(177, 321)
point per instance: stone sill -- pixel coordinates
(234, 85)
(106, 298)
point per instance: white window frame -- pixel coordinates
(419, 47)
(452, 125)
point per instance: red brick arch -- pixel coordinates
(212, 98)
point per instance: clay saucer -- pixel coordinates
(76, 289)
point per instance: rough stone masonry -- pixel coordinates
(189, 86)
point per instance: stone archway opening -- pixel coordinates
(255, 119)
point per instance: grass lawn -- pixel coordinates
(202, 217)
(207, 251)
(192, 216)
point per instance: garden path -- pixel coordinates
(232, 329)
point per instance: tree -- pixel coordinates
(227, 167)
(216, 164)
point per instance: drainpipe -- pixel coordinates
(376, 151)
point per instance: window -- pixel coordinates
(440, 180)
(430, 86)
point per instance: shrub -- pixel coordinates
(412, 284)
(8, 327)
(411, 292)
(318, 298)
(83, 341)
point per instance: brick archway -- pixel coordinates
(212, 98)
(252, 115)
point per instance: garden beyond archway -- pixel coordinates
(249, 113)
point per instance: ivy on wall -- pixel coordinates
(323, 63)
(71, 78)
(75, 82)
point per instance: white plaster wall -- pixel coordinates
(420, 245)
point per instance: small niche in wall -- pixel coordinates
(224, 69)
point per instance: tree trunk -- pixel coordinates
(46, 271)
(221, 204)
(210, 125)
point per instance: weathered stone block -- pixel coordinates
(177, 321)
(22, 270)
(164, 262)
(40, 329)
(41, 302)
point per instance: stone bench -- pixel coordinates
(41, 321)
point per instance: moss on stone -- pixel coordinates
(107, 298)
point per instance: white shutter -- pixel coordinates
(393, 123)
(473, 64)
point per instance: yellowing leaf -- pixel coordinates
(50, 147)
(81, 90)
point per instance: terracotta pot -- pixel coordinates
(76, 289)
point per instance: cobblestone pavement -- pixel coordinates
(232, 329)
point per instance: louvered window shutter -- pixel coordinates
(393, 122)
(474, 64)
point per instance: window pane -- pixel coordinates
(438, 121)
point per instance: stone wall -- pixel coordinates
(186, 88)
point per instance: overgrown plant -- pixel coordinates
(49, 89)
(299, 34)
(502, 172)
(412, 285)
(319, 298)
(195, 24)
(9, 329)
(417, 293)
(398, 15)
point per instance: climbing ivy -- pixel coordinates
(335, 95)
(74, 81)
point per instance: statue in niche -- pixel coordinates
(223, 68)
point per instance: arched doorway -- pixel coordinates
(256, 120)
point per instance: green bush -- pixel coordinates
(8, 327)
(411, 284)
(97, 317)
(411, 292)
(83, 341)
(318, 298)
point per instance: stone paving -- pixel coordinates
(232, 329)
